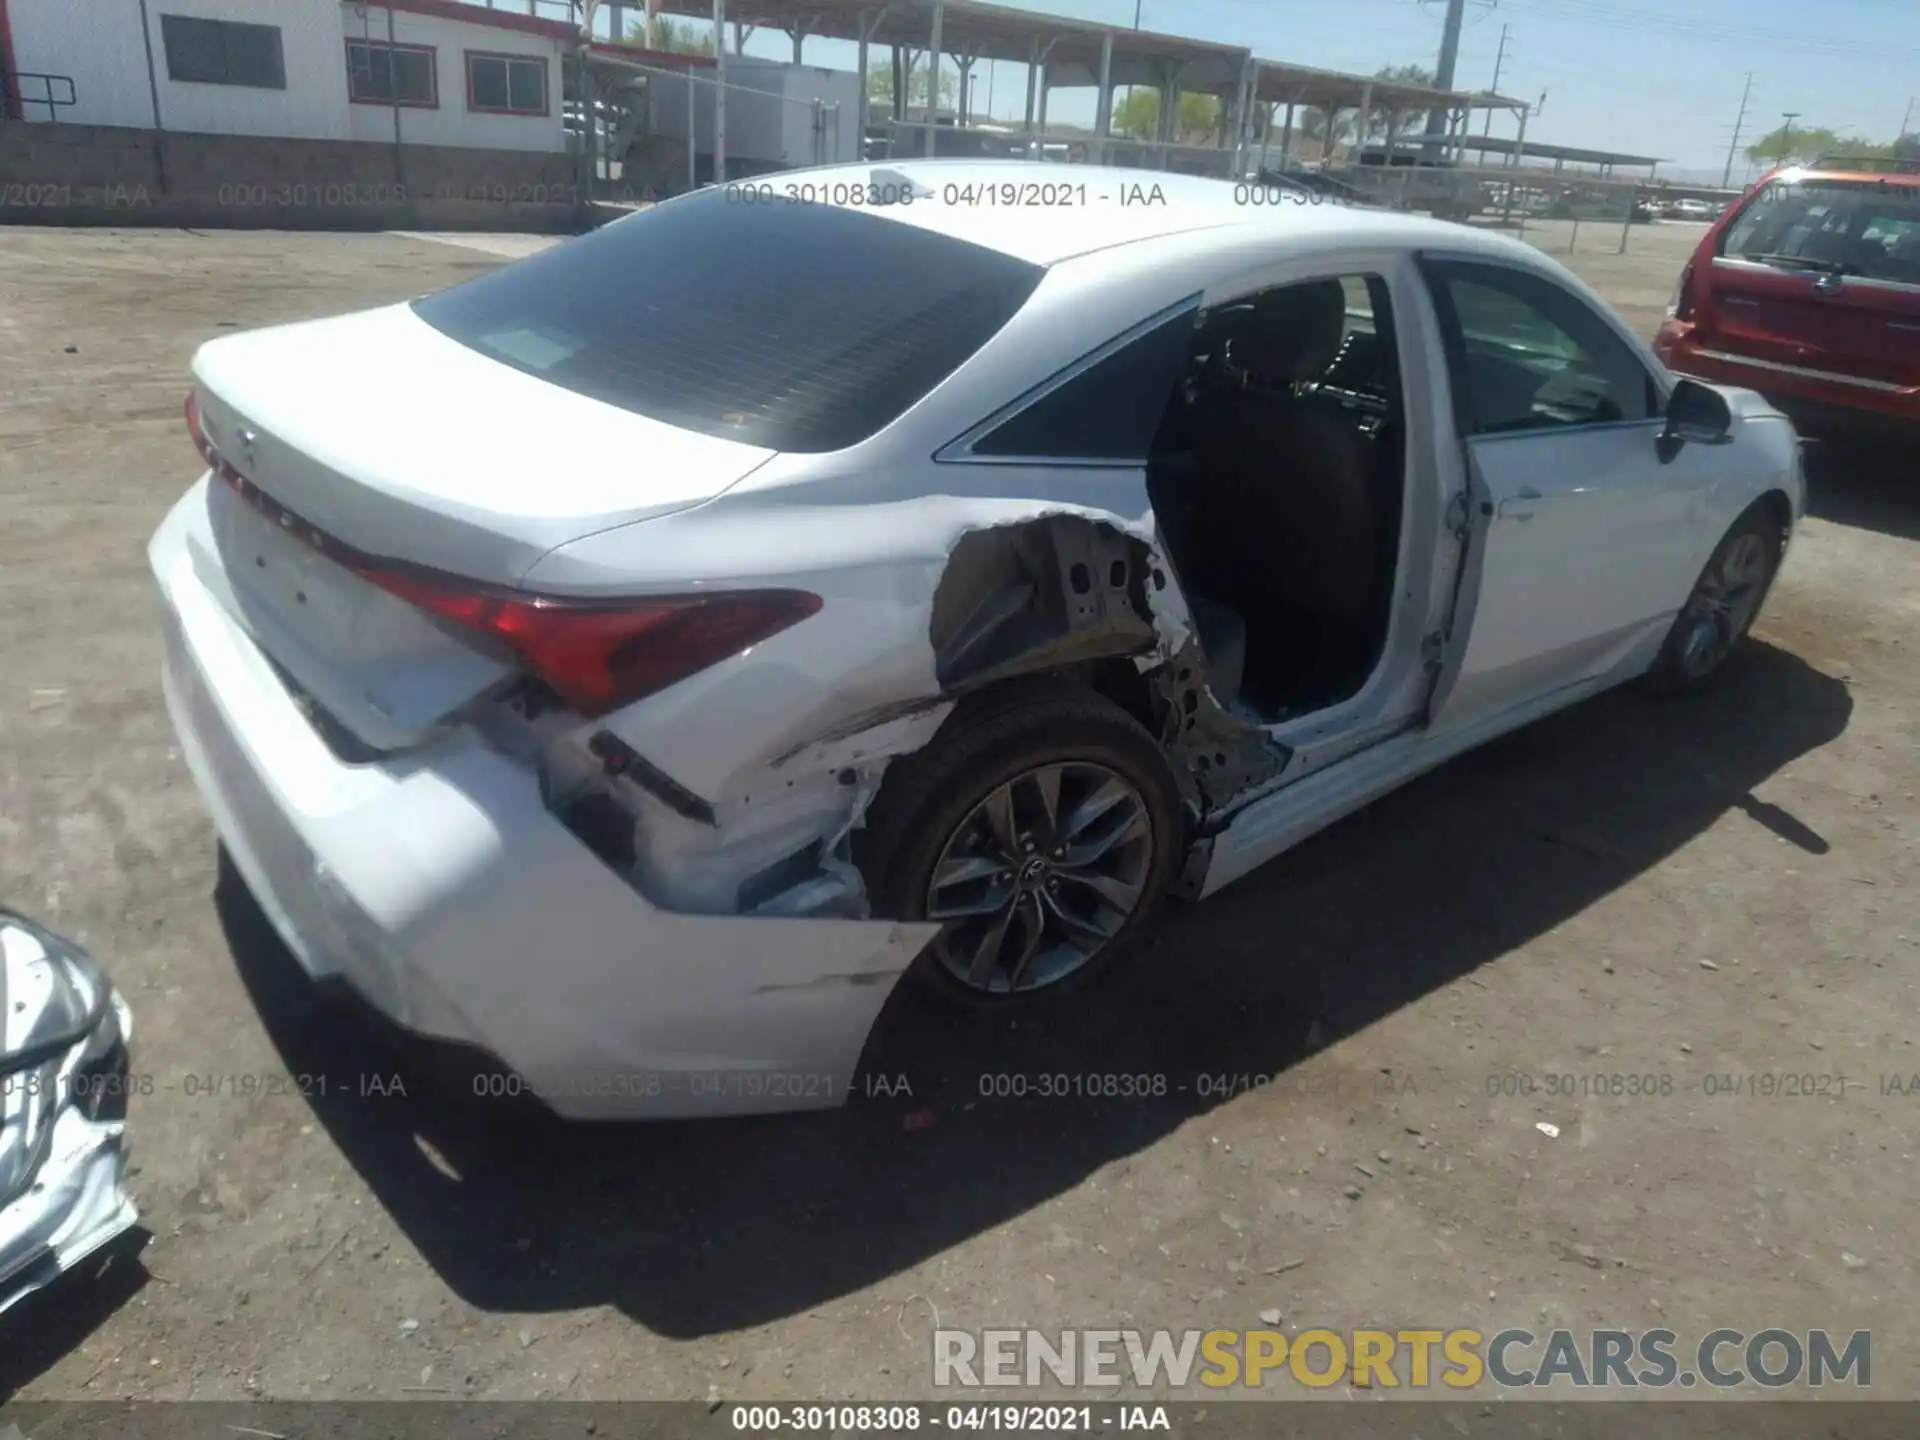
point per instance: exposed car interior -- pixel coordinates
(1278, 478)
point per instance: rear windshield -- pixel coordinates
(1859, 228)
(791, 326)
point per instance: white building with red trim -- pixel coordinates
(415, 72)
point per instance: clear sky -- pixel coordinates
(1651, 77)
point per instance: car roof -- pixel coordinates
(1048, 213)
(1903, 179)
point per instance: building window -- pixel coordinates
(382, 74)
(223, 52)
(507, 84)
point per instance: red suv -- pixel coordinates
(1808, 289)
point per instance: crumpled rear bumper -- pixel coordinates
(439, 886)
(76, 1202)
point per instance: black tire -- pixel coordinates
(1679, 669)
(988, 741)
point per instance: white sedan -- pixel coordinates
(635, 661)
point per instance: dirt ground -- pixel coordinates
(1707, 891)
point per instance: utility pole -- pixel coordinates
(1726, 176)
(1498, 61)
(1786, 136)
(1443, 74)
(1136, 25)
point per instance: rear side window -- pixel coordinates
(1870, 230)
(794, 327)
(1107, 410)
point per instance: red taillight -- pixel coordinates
(600, 655)
(1681, 306)
(596, 654)
(216, 462)
(198, 431)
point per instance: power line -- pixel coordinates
(1498, 60)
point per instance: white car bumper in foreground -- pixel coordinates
(62, 1103)
(438, 885)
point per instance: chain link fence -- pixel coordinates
(652, 127)
(1594, 212)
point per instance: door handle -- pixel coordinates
(1519, 505)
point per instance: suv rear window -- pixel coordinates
(1868, 229)
(794, 327)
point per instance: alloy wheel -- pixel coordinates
(1039, 876)
(1724, 603)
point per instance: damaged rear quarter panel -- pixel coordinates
(924, 598)
(936, 578)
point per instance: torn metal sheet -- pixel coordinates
(1223, 760)
(777, 845)
(1048, 594)
(63, 1084)
(1065, 591)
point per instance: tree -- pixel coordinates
(1384, 127)
(1804, 143)
(1314, 124)
(880, 85)
(1137, 114)
(1810, 141)
(680, 37)
(1199, 118)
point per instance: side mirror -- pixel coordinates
(1696, 414)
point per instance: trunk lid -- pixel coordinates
(384, 433)
(375, 435)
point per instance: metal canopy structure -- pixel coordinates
(1076, 52)
(1070, 49)
(1559, 154)
(1281, 84)
(1060, 52)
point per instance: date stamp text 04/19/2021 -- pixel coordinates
(999, 194)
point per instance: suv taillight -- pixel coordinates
(1681, 306)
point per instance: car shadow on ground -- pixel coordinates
(1869, 484)
(56, 1320)
(699, 1227)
